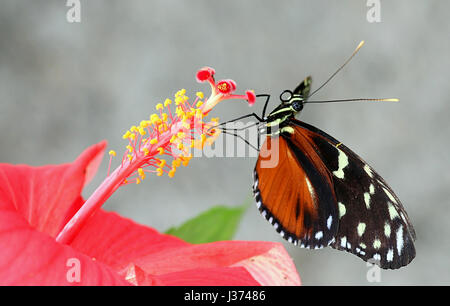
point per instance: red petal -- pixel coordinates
(236, 276)
(207, 277)
(119, 242)
(45, 195)
(29, 257)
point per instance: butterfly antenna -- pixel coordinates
(340, 68)
(356, 100)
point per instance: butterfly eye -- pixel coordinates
(286, 96)
(297, 105)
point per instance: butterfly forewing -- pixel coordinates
(372, 221)
(296, 194)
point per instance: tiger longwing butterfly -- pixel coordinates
(320, 193)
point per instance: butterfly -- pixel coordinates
(317, 192)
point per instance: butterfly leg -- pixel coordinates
(242, 138)
(265, 104)
(240, 118)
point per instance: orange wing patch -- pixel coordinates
(288, 194)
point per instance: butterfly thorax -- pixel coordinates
(278, 120)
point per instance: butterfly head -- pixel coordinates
(292, 100)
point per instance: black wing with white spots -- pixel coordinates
(372, 221)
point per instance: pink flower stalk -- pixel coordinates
(169, 134)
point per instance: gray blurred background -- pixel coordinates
(65, 86)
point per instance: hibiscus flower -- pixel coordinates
(49, 235)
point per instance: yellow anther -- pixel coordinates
(132, 136)
(162, 163)
(153, 141)
(172, 172)
(181, 135)
(186, 160)
(141, 173)
(180, 146)
(179, 100)
(130, 157)
(112, 153)
(200, 94)
(160, 151)
(133, 128)
(176, 162)
(173, 139)
(126, 135)
(159, 106)
(130, 148)
(159, 172)
(154, 118)
(167, 102)
(143, 124)
(146, 151)
(138, 181)
(199, 103)
(164, 117)
(215, 119)
(142, 131)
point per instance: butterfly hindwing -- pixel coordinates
(372, 221)
(295, 193)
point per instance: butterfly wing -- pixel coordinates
(294, 192)
(372, 221)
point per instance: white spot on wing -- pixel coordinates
(376, 244)
(367, 199)
(400, 240)
(368, 170)
(329, 221)
(342, 210)
(343, 241)
(392, 211)
(319, 235)
(390, 255)
(361, 228)
(390, 195)
(387, 230)
(342, 163)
